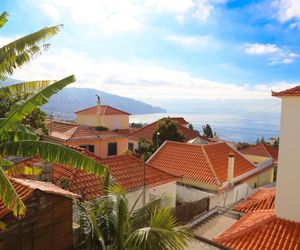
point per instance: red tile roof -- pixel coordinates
(203, 163)
(262, 150)
(261, 230)
(26, 187)
(105, 110)
(128, 171)
(289, 92)
(148, 131)
(263, 199)
(88, 186)
(71, 132)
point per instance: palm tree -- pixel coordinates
(107, 223)
(17, 139)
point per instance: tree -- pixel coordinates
(108, 223)
(35, 119)
(207, 131)
(191, 127)
(145, 149)
(166, 130)
(17, 139)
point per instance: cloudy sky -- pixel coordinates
(160, 50)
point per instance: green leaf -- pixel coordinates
(9, 196)
(52, 153)
(24, 87)
(3, 19)
(22, 109)
(22, 50)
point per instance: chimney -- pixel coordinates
(230, 168)
(46, 171)
(98, 105)
(287, 203)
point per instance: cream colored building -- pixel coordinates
(103, 115)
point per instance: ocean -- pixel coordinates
(233, 127)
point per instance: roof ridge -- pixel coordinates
(210, 166)
(260, 223)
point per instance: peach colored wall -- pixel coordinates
(110, 121)
(101, 146)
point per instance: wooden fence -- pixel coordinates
(189, 210)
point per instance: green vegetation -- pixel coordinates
(108, 223)
(207, 131)
(16, 139)
(101, 128)
(166, 130)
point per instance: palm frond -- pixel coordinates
(23, 108)
(24, 87)
(162, 233)
(18, 52)
(52, 153)
(9, 196)
(3, 19)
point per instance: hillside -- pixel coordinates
(69, 100)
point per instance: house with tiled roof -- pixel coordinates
(279, 227)
(210, 169)
(49, 216)
(101, 143)
(132, 174)
(103, 115)
(259, 152)
(148, 131)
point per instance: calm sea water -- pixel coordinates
(233, 127)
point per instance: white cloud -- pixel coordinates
(112, 16)
(287, 9)
(140, 80)
(276, 55)
(189, 40)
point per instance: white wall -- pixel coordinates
(222, 198)
(231, 196)
(188, 194)
(287, 202)
(168, 189)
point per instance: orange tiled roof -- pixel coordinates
(128, 171)
(261, 230)
(262, 150)
(289, 92)
(71, 132)
(105, 110)
(263, 199)
(88, 186)
(26, 187)
(203, 163)
(147, 131)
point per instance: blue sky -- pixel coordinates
(165, 50)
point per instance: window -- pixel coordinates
(90, 148)
(112, 148)
(130, 146)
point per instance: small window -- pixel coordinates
(130, 146)
(90, 148)
(112, 148)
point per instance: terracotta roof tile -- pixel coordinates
(105, 110)
(262, 150)
(128, 171)
(147, 131)
(289, 92)
(263, 199)
(203, 163)
(261, 230)
(71, 132)
(26, 187)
